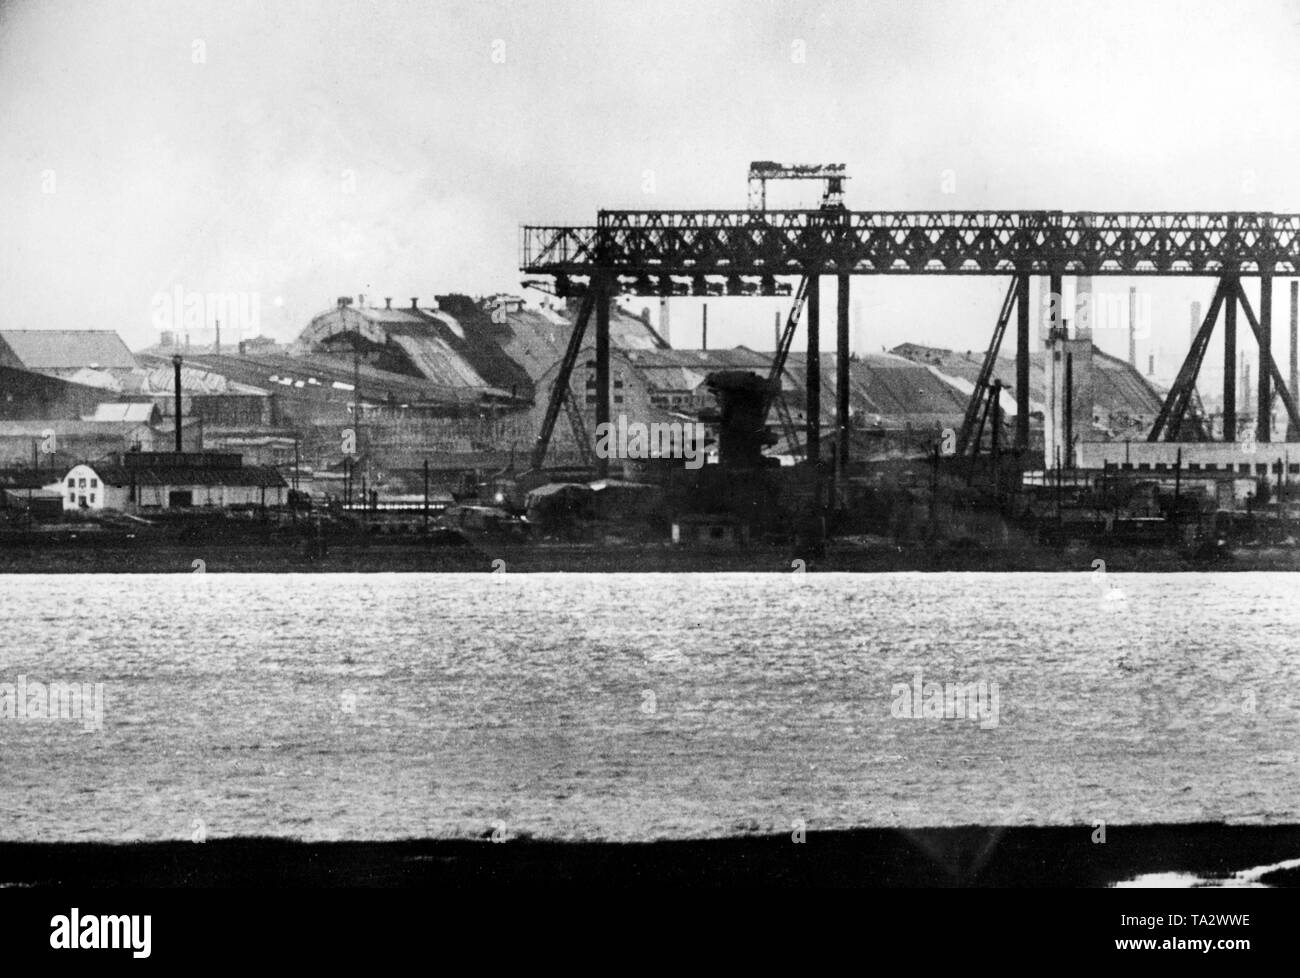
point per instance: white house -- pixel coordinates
(82, 488)
(136, 481)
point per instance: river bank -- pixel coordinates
(86, 555)
(979, 856)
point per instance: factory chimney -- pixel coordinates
(1245, 380)
(176, 382)
(216, 343)
(665, 324)
(704, 339)
(1196, 323)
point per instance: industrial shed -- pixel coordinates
(1124, 402)
(162, 480)
(26, 395)
(64, 352)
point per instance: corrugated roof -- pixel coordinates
(686, 370)
(244, 475)
(558, 489)
(430, 355)
(392, 316)
(326, 370)
(19, 498)
(889, 390)
(162, 379)
(68, 429)
(101, 379)
(1118, 388)
(138, 413)
(453, 348)
(67, 349)
(730, 358)
(27, 478)
(465, 343)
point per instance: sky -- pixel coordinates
(296, 152)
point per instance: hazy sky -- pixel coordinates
(301, 151)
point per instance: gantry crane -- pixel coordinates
(760, 172)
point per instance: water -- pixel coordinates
(644, 706)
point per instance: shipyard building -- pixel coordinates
(370, 392)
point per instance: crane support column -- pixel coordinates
(1292, 434)
(1022, 363)
(813, 431)
(1263, 416)
(842, 382)
(1230, 363)
(602, 365)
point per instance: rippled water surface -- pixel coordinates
(645, 706)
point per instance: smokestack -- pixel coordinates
(704, 340)
(216, 343)
(176, 365)
(1245, 380)
(665, 325)
(1132, 327)
(776, 330)
(1151, 365)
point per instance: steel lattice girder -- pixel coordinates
(742, 242)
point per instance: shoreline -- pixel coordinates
(971, 856)
(185, 557)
